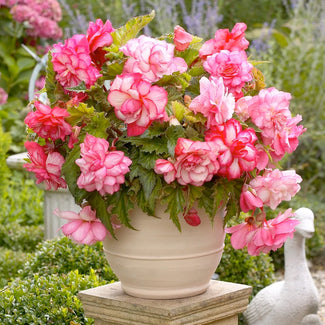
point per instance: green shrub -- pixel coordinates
(20, 238)
(21, 201)
(10, 263)
(239, 267)
(49, 299)
(59, 256)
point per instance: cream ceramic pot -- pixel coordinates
(156, 261)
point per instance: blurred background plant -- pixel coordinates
(33, 23)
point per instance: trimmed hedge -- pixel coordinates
(49, 299)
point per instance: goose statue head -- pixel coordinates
(305, 227)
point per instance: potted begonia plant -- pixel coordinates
(173, 131)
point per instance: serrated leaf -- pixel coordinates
(98, 204)
(81, 88)
(156, 129)
(79, 113)
(98, 125)
(158, 145)
(173, 133)
(122, 206)
(147, 160)
(71, 172)
(178, 110)
(131, 29)
(113, 68)
(174, 197)
(148, 180)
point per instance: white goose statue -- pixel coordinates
(288, 302)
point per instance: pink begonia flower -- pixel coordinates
(225, 40)
(101, 170)
(213, 102)
(262, 157)
(192, 218)
(49, 122)
(152, 58)
(72, 62)
(275, 186)
(3, 96)
(262, 237)
(166, 168)
(83, 227)
(235, 147)
(182, 39)
(232, 67)
(196, 163)
(98, 36)
(47, 168)
(269, 111)
(74, 136)
(249, 199)
(242, 108)
(137, 102)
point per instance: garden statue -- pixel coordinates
(287, 302)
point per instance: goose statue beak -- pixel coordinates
(306, 222)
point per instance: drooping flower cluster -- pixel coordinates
(133, 120)
(40, 17)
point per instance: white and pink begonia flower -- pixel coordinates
(49, 123)
(72, 62)
(262, 237)
(196, 162)
(213, 102)
(137, 102)
(152, 58)
(225, 40)
(83, 227)
(275, 186)
(46, 167)
(166, 168)
(232, 67)
(182, 39)
(269, 111)
(101, 170)
(235, 147)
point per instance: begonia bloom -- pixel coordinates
(98, 36)
(232, 67)
(225, 40)
(213, 102)
(46, 167)
(101, 170)
(137, 102)
(192, 218)
(235, 146)
(49, 123)
(152, 58)
(196, 163)
(83, 227)
(249, 199)
(182, 39)
(72, 62)
(166, 168)
(262, 237)
(275, 186)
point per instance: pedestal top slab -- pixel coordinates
(222, 300)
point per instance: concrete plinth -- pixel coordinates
(219, 305)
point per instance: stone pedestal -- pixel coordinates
(219, 305)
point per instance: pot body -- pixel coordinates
(156, 261)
